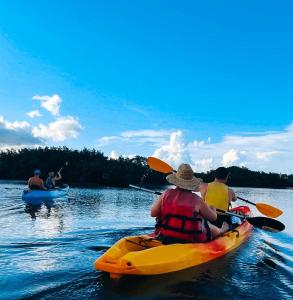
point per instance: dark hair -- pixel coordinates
(221, 173)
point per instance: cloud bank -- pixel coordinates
(267, 152)
(60, 130)
(16, 134)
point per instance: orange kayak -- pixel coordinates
(144, 255)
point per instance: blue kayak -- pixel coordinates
(45, 194)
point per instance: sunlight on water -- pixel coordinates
(47, 251)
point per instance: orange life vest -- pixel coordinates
(35, 182)
(179, 219)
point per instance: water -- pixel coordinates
(47, 252)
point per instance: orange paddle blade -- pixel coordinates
(268, 210)
(159, 165)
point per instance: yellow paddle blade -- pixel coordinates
(268, 210)
(159, 165)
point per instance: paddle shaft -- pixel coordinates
(161, 166)
(66, 163)
(159, 193)
(145, 190)
(259, 222)
(247, 201)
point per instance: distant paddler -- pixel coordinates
(35, 182)
(52, 178)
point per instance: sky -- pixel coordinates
(203, 82)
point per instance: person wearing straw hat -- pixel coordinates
(183, 215)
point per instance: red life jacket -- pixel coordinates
(179, 219)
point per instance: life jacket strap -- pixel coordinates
(164, 223)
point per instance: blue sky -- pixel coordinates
(205, 82)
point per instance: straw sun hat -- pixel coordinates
(184, 178)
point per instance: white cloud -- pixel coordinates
(145, 133)
(174, 152)
(265, 155)
(155, 137)
(106, 140)
(136, 109)
(62, 129)
(229, 158)
(16, 134)
(271, 151)
(50, 103)
(114, 154)
(267, 151)
(16, 125)
(34, 114)
(203, 165)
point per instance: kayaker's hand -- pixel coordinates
(232, 195)
(213, 208)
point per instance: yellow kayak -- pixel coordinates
(144, 255)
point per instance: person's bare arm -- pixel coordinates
(58, 177)
(203, 190)
(43, 186)
(232, 195)
(208, 212)
(156, 207)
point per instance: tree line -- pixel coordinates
(92, 167)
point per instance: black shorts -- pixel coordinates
(221, 219)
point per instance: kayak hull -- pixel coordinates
(45, 194)
(144, 255)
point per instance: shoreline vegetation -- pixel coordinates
(89, 167)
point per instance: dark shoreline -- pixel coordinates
(91, 168)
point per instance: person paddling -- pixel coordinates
(52, 178)
(35, 182)
(183, 216)
(218, 194)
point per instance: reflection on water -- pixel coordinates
(47, 250)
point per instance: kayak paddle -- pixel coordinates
(259, 222)
(266, 209)
(159, 165)
(65, 164)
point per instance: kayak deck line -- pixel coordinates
(145, 255)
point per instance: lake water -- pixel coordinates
(47, 252)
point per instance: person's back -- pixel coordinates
(51, 180)
(179, 219)
(217, 195)
(35, 182)
(183, 216)
(49, 183)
